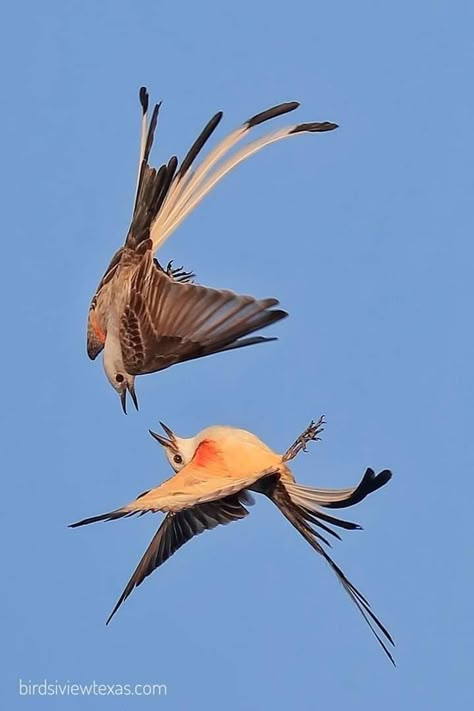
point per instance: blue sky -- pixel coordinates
(365, 235)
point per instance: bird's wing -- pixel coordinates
(190, 487)
(338, 498)
(303, 521)
(166, 322)
(98, 310)
(177, 529)
(197, 505)
(165, 196)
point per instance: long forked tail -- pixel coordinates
(303, 521)
(152, 184)
(312, 497)
(164, 197)
(187, 189)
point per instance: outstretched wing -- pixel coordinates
(177, 529)
(167, 322)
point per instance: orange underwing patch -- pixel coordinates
(96, 328)
(206, 453)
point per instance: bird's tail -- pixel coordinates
(188, 188)
(152, 184)
(164, 197)
(312, 497)
(304, 520)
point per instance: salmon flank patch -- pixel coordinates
(206, 453)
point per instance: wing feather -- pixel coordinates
(177, 529)
(166, 322)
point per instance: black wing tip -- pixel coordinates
(278, 314)
(271, 316)
(314, 127)
(255, 340)
(111, 516)
(144, 98)
(273, 112)
(263, 339)
(84, 522)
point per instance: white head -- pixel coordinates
(121, 381)
(180, 450)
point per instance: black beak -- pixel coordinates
(123, 400)
(168, 431)
(133, 395)
(163, 440)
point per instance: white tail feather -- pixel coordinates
(185, 206)
(182, 188)
(311, 497)
(143, 137)
(187, 191)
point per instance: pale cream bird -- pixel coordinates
(146, 318)
(215, 471)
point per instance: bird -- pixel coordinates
(145, 317)
(215, 474)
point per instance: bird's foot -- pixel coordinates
(179, 274)
(311, 434)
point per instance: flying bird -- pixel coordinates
(146, 317)
(215, 473)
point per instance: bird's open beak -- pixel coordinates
(133, 395)
(169, 441)
(123, 400)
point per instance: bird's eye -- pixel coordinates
(178, 459)
(119, 378)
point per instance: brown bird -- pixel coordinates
(146, 318)
(215, 471)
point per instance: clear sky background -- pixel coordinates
(366, 237)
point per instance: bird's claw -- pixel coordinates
(310, 434)
(179, 274)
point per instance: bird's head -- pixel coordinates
(178, 450)
(216, 440)
(122, 382)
